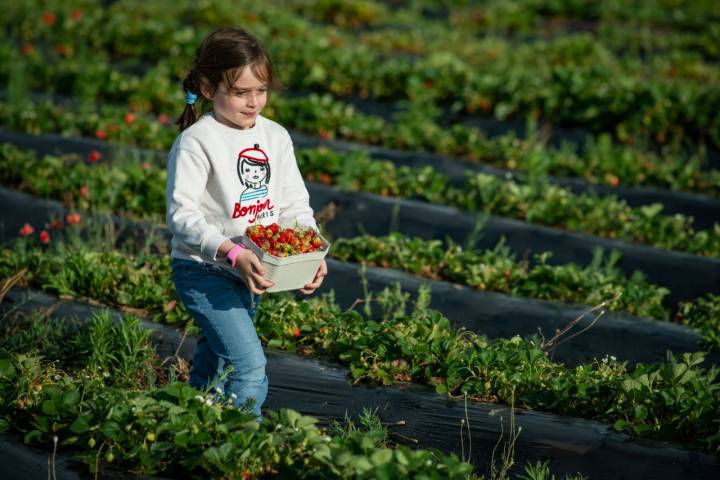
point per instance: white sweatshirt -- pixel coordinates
(222, 180)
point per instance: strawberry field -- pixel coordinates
(522, 199)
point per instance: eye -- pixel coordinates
(247, 170)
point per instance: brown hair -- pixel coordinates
(222, 56)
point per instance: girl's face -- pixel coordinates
(240, 106)
(253, 173)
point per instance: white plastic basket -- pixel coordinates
(288, 273)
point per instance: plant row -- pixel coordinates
(534, 202)
(515, 16)
(525, 16)
(675, 400)
(571, 80)
(688, 26)
(695, 50)
(103, 393)
(137, 189)
(127, 99)
(497, 270)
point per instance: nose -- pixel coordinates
(252, 100)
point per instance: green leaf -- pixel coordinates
(382, 456)
(49, 407)
(7, 369)
(112, 429)
(81, 424)
(32, 435)
(620, 425)
(70, 399)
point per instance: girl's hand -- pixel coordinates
(252, 271)
(317, 281)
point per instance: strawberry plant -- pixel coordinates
(171, 428)
(136, 189)
(497, 270)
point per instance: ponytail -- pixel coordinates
(191, 86)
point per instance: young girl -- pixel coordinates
(219, 184)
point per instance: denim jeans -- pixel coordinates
(224, 309)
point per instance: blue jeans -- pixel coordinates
(224, 309)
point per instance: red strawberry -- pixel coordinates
(27, 230)
(56, 225)
(73, 218)
(94, 156)
(49, 18)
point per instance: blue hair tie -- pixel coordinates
(190, 97)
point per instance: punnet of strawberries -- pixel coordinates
(284, 242)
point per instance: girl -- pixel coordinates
(219, 158)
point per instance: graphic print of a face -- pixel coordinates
(253, 173)
(253, 168)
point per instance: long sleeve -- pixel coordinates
(186, 186)
(295, 200)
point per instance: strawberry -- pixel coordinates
(94, 156)
(48, 18)
(73, 218)
(283, 242)
(27, 230)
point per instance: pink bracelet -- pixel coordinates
(233, 253)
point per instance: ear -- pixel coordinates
(206, 92)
